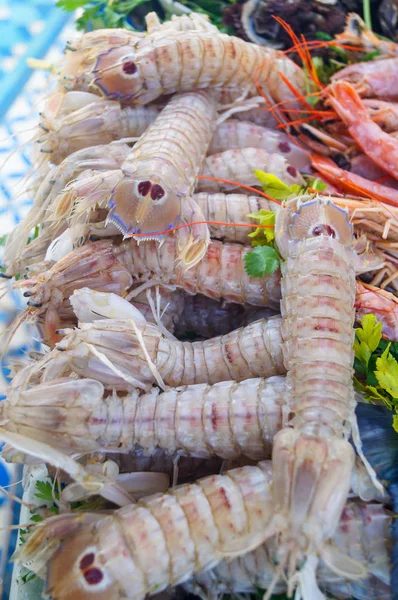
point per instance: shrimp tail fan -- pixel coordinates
(380, 446)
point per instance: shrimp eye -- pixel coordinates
(324, 229)
(157, 192)
(86, 561)
(284, 147)
(144, 187)
(129, 67)
(93, 576)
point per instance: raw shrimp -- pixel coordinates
(372, 79)
(239, 165)
(234, 133)
(106, 267)
(373, 300)
(353, 183)
(97, 122)
(312, 458)
(226, 419)
(381, 147)
(92, 159)
(363, 534)
(141, 69)
(124, 355)
(231, 208)
(159, 174)
(142, 549)
(383, 113)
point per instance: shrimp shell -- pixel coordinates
(116, 354)
(143, 548)
(141, 69)
(234, 133)
(104, 266)
(239, 165)
(313, 460)
(97, 123)
(227, 419)
(160, 171)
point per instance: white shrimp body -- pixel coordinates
(227, 419)
(160, 171)
(124, 355)
(239, 166)
(312, 459)
(235, 133)
(144, 548)
(363, 534)
(99, 122)
(143, 68)
(231, 208)
(106, 267)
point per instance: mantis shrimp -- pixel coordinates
(184, 532)
(136, 69)
(312, 459)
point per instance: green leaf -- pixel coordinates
(3, 239)
(371, 55)
(362, 352)
(71, 5)
(265, 233)
(274, 187)
(46, 491)
(36, 518)
(369, 332)
(261, 261)
(321, 35)
(316, 184)
(387, 373)
(28, 577)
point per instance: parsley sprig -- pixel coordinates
(376, 365)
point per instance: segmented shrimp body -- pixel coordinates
(98, 122)
(159, 174)
(231, 208)
(239, 165)
(142, 549)
(106, 267)
(312, 459)
(363, 534)
(142, 68)
(372, 79)
(381, 147)
(124, 355)
(226, 419)
(234, 133)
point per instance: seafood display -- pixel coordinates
(213, 276)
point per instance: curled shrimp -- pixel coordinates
(381, 147)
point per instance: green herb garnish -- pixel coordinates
(376, 365)
(260, 261)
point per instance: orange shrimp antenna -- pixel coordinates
(302, 50)
(223, 223)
